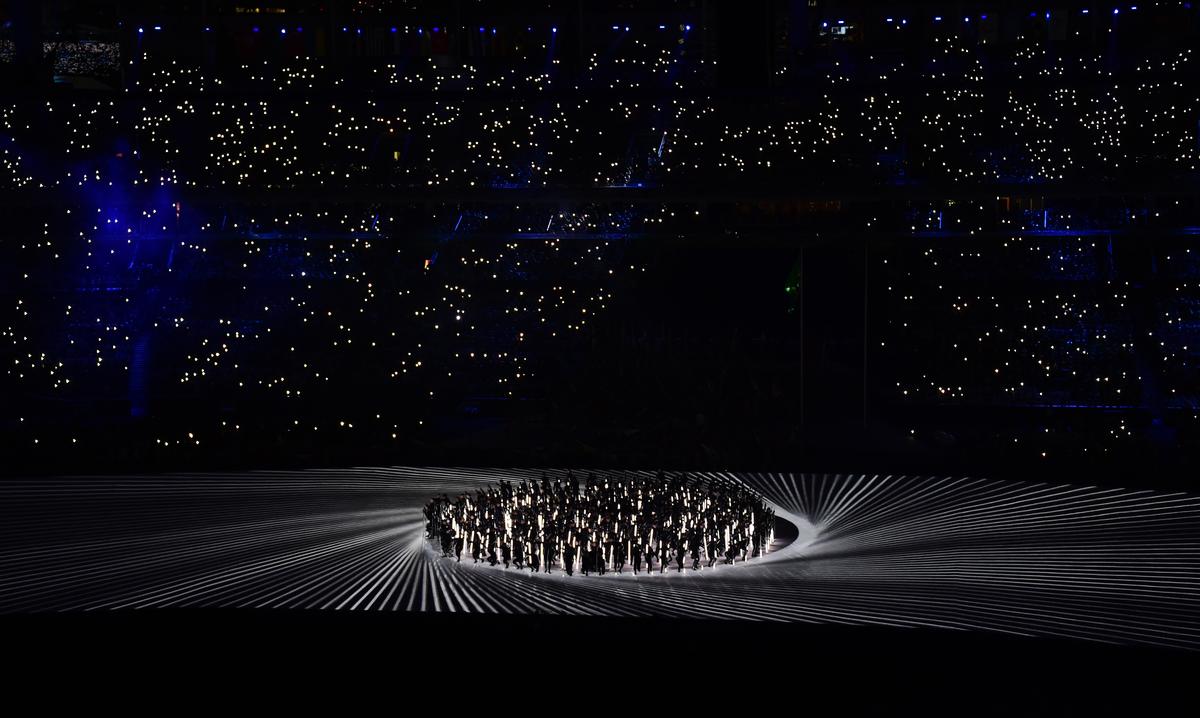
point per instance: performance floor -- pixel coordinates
(961, 554)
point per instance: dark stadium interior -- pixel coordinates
(248, 239)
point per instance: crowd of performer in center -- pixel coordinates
(606, 524)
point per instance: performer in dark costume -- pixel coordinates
(569, 559)
(548, 553)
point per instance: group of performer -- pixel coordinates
(603, 524)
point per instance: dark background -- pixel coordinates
(704, 362)
(540, 662)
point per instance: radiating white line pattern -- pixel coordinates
(1094, 563)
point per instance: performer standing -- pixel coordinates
(569, 558)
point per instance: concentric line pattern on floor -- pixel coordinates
(957, 553)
